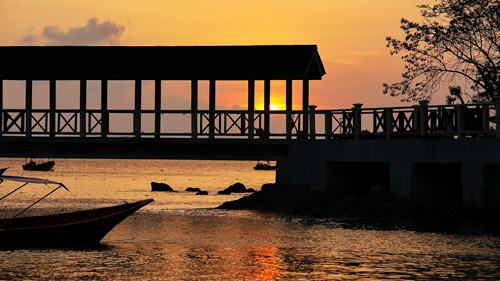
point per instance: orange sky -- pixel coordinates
(350, 36)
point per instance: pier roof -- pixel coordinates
(273, 62)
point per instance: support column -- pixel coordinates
(211, 108)
(137, 109)
(194, 109)
(497, 118)
(312, 112)
(389, 122)
(29, 106)
(356, 110)
(104, 109)
(461, 108)
(289, 120)
(52, 106)
(83, 108)
(157, 108)
(424, 113)
(305, 106)
(251, 108)
(1, 107)
(267, 106)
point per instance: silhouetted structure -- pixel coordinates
(247, 63)
(408, 149)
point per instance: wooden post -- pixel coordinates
(52, 105)
(211, 108)
(83, 108)
(1, 107)
(289, 120)
(104, 109)
(485, 117)
(497, 117)
(267, 106)
(29, 105)
(424, 104)
(356, 110)
(194, 109)
(251, 108)
(461, 108)
(328, 125)
(312, 113)
(305, 106)
(137, 108)
(157, 108)
(389, 122)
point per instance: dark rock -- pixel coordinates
(235, 188)
(155, 186)
(193, 189)
(202, 192)
(250, 190)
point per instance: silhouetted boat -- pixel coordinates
(264, 166)
(75, 229)
(44, 166)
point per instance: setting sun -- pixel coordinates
(274, 107)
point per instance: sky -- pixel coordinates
(350, 35)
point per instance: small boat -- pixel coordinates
(264, 166)
(2, 170)
(76, 229)
(34, 166)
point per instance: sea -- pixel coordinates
(181, 236)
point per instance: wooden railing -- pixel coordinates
(422, 120)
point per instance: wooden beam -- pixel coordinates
(157, 108)
(211, 108)
(29, 105)
(52, 106)
(83, 108)
(1, 107)
(251, 108)
(137, 109)
(267, 105)
(104, 109)
(305, 106)
(194, 109)
(289, 86)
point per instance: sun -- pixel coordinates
(274, 107)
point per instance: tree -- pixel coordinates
(458, 41)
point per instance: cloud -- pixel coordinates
(91, 34)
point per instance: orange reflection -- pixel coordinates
(264, 263)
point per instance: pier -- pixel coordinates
(429, 151)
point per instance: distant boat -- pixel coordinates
(76, 229)
(43, 166)
(264, 166)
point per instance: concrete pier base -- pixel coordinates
(464, 170)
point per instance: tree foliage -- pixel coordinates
(457, 41)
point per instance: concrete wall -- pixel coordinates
(458, 169)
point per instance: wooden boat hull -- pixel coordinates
(45, 166)
(76, 229)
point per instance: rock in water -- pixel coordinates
(202, 193)
(193, 189)
(156, 186)
(235, 188)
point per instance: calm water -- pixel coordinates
(180, 236)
